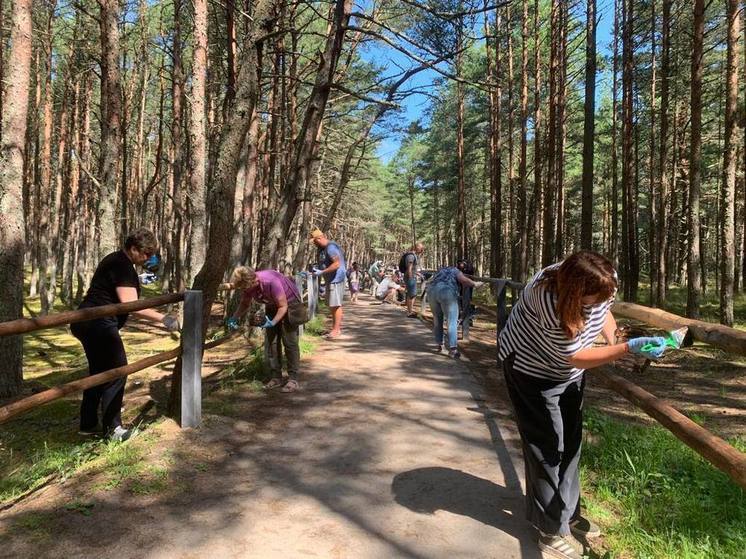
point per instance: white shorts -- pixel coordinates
(335, 294)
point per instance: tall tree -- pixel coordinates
(198, 143)
(111, 108)
(630, 254)
(589, 126)
(12, 223)
(694, 272)
(727, 203)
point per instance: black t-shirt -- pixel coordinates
(115, 270)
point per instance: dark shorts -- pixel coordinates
(411, 288)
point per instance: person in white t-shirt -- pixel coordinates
(387, 290)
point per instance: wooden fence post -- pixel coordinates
(465, 312)
(191, 371)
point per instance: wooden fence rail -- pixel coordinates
(191, 349)
(712, 448)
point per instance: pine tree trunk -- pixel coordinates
(461, 226)
(111, 108)
(198, 144)
(630, 258)
(694, 274)
(730, 163)
(664, 188)
(589, 126)
(12, 225)
(523, 165)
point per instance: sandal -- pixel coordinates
(273, 383)
(562, 547)
(290, 386)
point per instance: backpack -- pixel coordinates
(403, 262)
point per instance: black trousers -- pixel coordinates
(549, 415)
(104, 350)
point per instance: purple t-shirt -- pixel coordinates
(271, 287)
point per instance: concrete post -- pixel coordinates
(191, 368)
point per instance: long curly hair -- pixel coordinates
(582, 274)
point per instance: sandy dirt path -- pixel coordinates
(390, 450)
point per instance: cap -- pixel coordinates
(315, 234)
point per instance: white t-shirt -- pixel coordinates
(385, 285)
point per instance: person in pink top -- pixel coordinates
(277, 292)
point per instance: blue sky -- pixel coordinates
(415, 105)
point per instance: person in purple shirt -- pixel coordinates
(277, 292)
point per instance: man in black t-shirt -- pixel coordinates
(114, 281)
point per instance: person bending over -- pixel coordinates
(545, 348)
(443, 294)
(114, 281)
(281, 299)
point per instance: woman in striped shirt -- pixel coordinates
(545, 348)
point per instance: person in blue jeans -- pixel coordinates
(442, 294)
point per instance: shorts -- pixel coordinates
(335, 293)
(354, 287)
(411, 288)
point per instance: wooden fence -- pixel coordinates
(711, 447)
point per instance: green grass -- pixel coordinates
(657, 498)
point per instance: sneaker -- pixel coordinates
(454, 354)
(121, 434)
(583, 528)
(562, 547)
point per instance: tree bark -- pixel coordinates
(630, 254)
(694, 274)
(730, 163)
(111, 108)
(12, 224)
(664, 187)
(198, 144)
(589, 127)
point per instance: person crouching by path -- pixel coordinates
(408, 265)
(332, 266)
(354, 276)
(545, 348)
(114, 281)
(278, 293)
(443, 294)
(387, 290)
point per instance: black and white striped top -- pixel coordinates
(534, 334)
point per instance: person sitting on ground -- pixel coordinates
(354, 277)
(281, 299)
(408, 265)
(114, 281)
(545, 348)
(332, 266)
(388, 289)
(442, 294)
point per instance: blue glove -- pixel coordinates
(267, 323)
(152, 263)
(658, 344)
(147, 278)
(231, 323)
(317, 272)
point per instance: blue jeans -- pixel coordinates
(444, 300)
